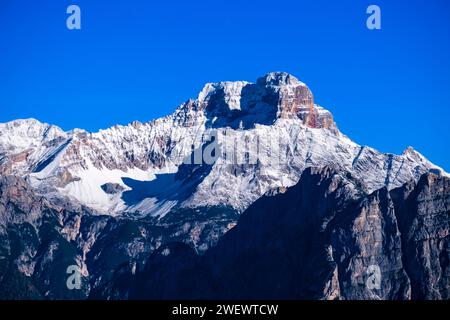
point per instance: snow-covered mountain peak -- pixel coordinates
(140, 167)
(19, 135)
(413, 152)
(241, 104)
(230, 93)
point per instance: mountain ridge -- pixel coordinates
(148, 201)
(77, 163)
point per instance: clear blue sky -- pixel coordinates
(138, 60)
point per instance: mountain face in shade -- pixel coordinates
(131, 206)
(317, 240)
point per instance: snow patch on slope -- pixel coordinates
(88, 189)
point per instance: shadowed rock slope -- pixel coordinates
(320, 239)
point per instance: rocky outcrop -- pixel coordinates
(112, 188)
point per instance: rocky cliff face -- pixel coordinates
(423, 210)
(41, 238)
(36, 244)
(111, 202)
(323, 238)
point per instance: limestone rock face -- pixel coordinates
(276, 95)
(36, 244)
(423, 211)
(323, 238)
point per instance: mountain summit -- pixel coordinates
(80, 165)
(276, 95)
